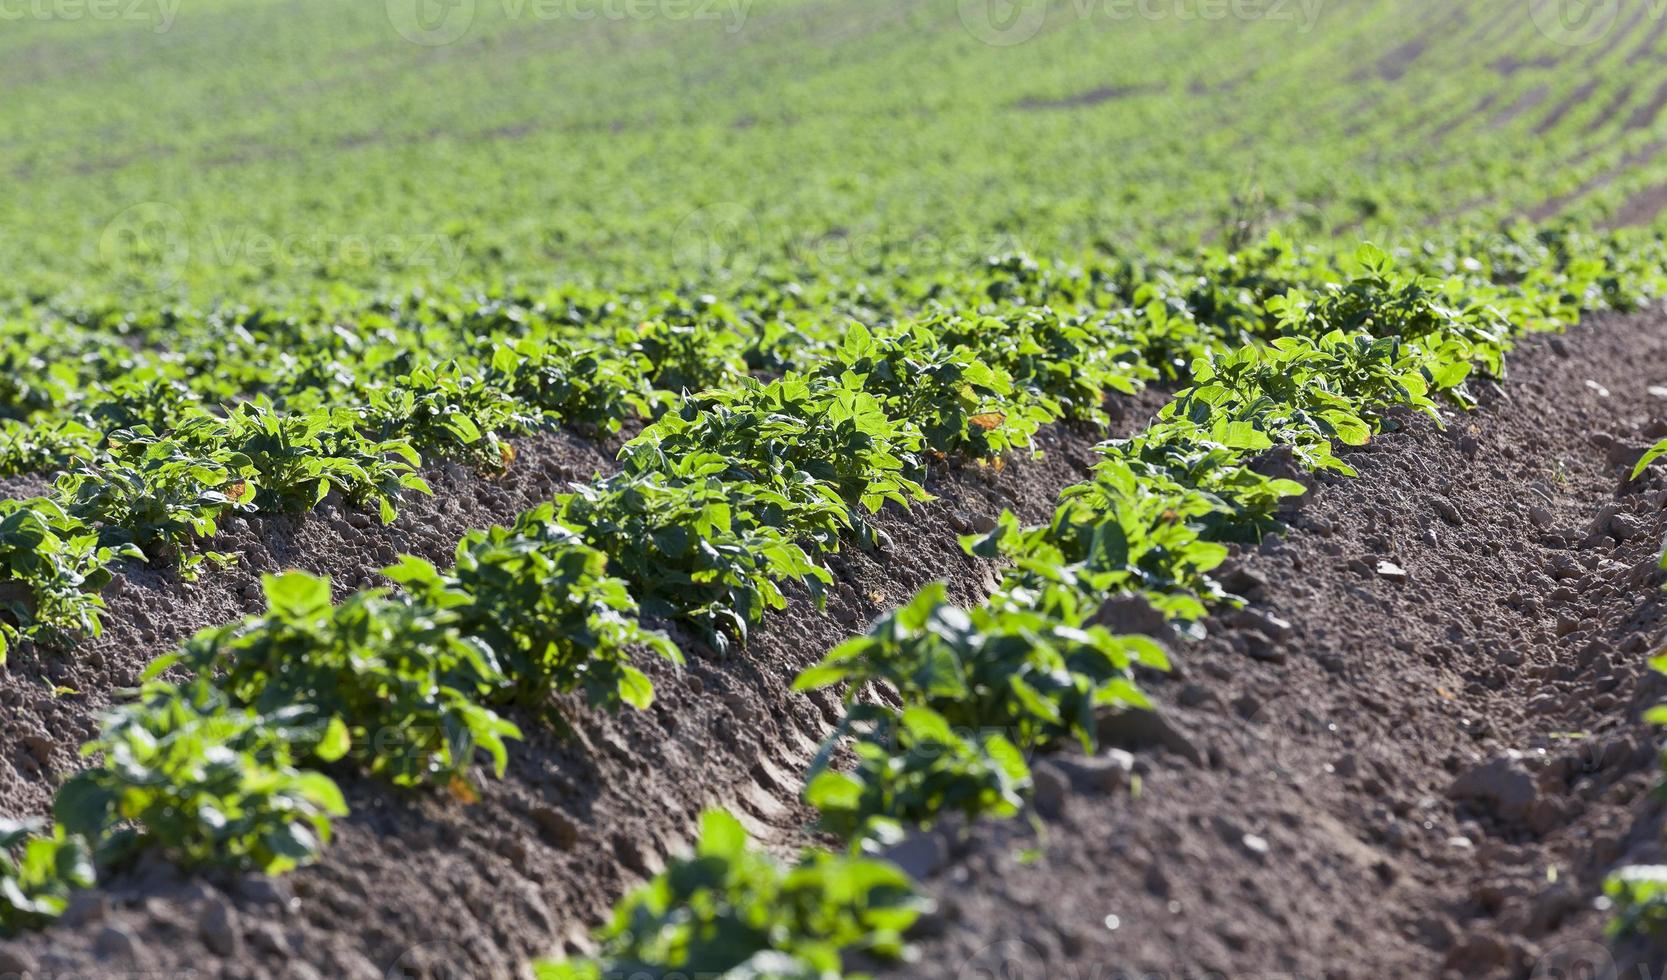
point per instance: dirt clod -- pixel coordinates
(1503, 785)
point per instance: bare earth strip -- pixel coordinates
(1374, 773)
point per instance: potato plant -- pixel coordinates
(388, 682)
(38, 871)
(731, 910)
(206, 782)
(541, 600)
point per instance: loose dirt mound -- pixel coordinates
(52, 698)
(424, 886)
(1417, 751)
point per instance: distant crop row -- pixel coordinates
(733, 493)
(1005, 145)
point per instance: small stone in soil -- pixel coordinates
(1624, 527)
(1259, 647)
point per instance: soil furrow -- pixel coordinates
(1418, 749)
(52, 698)
(437, 888)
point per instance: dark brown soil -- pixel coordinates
(1370, 777)
(1644, 52)
(1644, 116)
(430, 887)
(150, 610)
(24, 485)
(1639, 209)
(1525, 103)
(1092, 97)
(1355, 776)
(1573, 101)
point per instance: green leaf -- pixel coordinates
(296, 594)
(335, 742)
(635, 689)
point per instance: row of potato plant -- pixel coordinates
(720, 503)
(347, 394)
(979, 689)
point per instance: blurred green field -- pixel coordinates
(701, 302)
(253, 150)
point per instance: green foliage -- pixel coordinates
(913, 768)
(142, 398)
(1023, 669)
(1178, 457)
(1654, 453)
(731, 910)
(207, 783)
(1423, 310)
(1066, 365)
(160, 493)
(1020, 663)
(691, 545)
(578, 387)
(37, 874)
(213, 379)
(1638, 897)
(389, 682)
(41, 447)
(447, 409)
(294, 460)
(1307, 392)
(686, 352)
(813, 440)
(539, 598)
(958, 400)
(51, 570)
(1119, 534)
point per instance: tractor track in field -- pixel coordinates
(1367, 775)
(420, 885)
